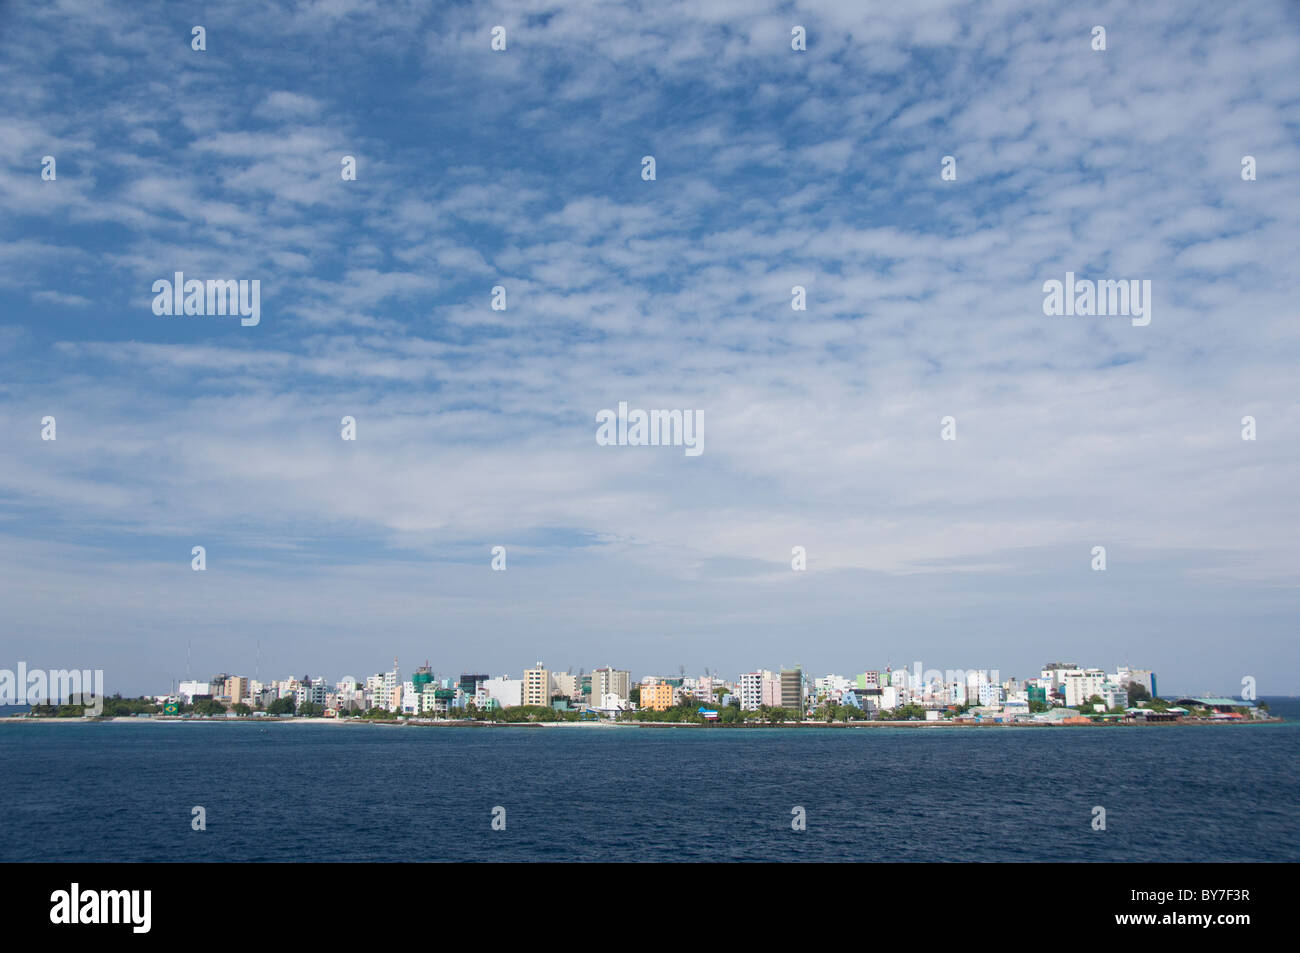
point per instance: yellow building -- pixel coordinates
(537, 686)
(658, 696)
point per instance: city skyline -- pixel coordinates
(453, 674)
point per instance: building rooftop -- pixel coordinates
(1215, 701)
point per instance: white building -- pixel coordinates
(314, 691)
(385, 690)
(750, 688)
(1055, 672)
(505, 691)
(410, 698)
(955, 693)
(892, 697)
(187, 690)
(1114, 695)
(833, 687)
(1082, 685)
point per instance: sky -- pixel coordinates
(522, 169)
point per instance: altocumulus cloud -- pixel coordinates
(774, 169)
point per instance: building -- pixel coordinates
(891, 697)
(411, 697)
(1137, 676)
(564, 683)
(350, 695)
(238, 688)
(505, 691)
(1114, 695)
(422, 676)
(1081, 685)
(187, 690)
(537, 685)
(751, 689)
(657, 696)
(609, 681)
(310, 691)
(792, 689)
(772, 690)
(469, 684)
(704, 689)
(1215, 702)
(386, 689)
(832, 687)
(870, 700)
(1054, 674)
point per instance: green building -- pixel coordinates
(423, 676)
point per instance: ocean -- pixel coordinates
(321, 793)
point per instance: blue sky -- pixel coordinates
(476, 428)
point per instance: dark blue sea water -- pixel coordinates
(286, 792)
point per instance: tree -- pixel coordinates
(1137, 693)
(239, 708)
(209, 706)
(281, 706)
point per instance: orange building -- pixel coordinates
(658, 696)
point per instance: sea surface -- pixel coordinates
(320, 793)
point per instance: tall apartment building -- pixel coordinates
(772, 690)
(385, 690)
(792, 689)
(609, 681)
(750, 687)
(238, 688)
(537, 685)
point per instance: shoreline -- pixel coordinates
(604, 725)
